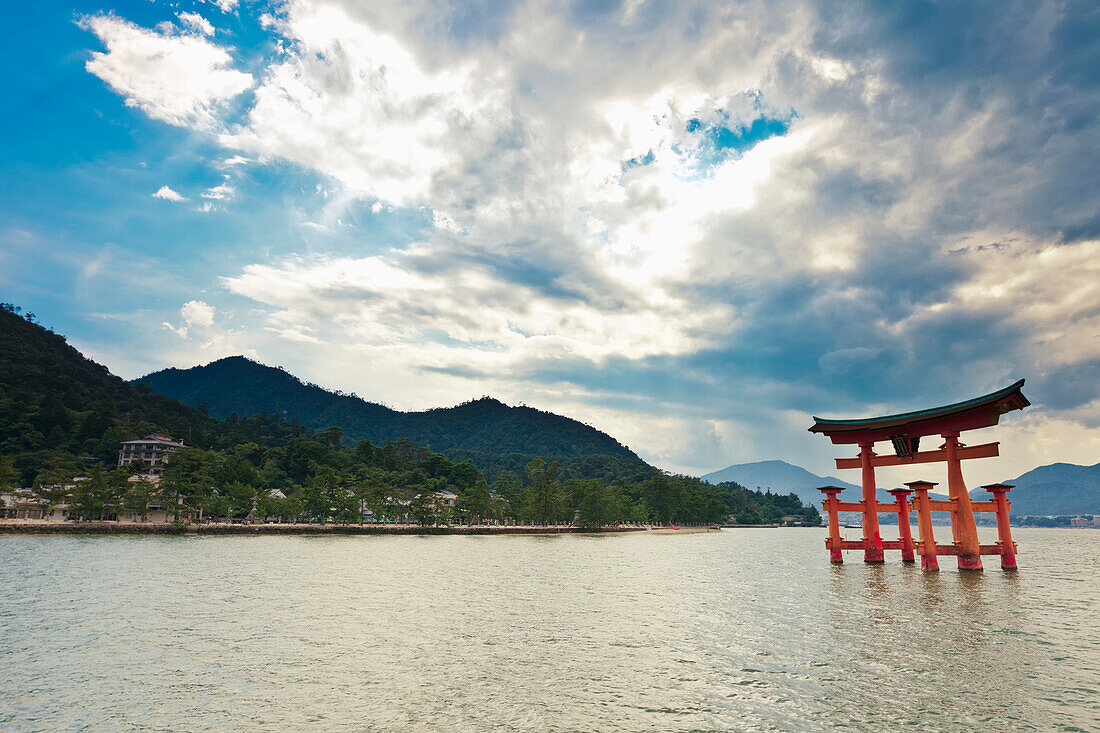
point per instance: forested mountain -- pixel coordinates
(607, 468)
(57, 406)
(482, 430)
(62, 415)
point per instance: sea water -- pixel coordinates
(744, 629)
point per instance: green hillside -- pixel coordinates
(57, 406)
(482, 429)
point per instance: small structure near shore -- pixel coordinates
(904, 432)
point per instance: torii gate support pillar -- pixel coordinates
(872, 538)
(1004, 532)
(905, 533)
(928, 560)
(834, 541)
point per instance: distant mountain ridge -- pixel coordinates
(1057, 488)
(481, 427)
(781, 477)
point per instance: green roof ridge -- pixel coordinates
(991, 397)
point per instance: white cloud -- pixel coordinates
(200, 338)
(470, 319)
(197, 313)
(1046, 293)
(844, 360)
(226, 6)
(166, 193)
(1051, 292)
(494, 167)
(179, 78)
(221, 192)
(180, 331)
(195, 317)
(355, 104)
(197, 23)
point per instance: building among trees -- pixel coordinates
(153, 449)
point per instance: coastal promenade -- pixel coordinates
(38, 526)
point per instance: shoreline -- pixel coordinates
(214, 529)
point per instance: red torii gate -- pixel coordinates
(904, 432)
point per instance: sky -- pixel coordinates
(692, 225)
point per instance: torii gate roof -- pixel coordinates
(980, 412)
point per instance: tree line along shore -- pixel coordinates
(218, 529)
(317, 479)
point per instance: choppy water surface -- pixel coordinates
(743, 629)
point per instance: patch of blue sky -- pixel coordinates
(723, 138)
(639, 161)
(709, 143)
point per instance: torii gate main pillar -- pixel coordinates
(873, 551)
(964, 530)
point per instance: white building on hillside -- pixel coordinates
(153, 449)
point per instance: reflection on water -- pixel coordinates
(741, 629)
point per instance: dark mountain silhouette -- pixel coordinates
(482, 430)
